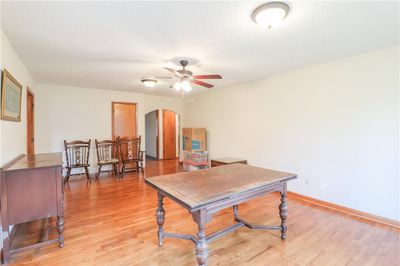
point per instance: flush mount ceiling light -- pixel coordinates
(149, 82)
(270, 14)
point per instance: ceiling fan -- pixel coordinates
(186, 77)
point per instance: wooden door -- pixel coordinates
(169, 134)
(123, 120)
(30, 122)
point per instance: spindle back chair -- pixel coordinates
(107, 154)
(77, 156)
(129, 149)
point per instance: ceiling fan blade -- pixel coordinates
(201, 83)
(156, 77)
(176, 73)
(207, 77)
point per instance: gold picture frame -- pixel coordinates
(11, 95)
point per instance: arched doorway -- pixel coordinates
(162, 134)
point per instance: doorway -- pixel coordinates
(30, 121)
(124, 120)
(169, 134)
(162, 134)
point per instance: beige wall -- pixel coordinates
(161, 102)
(13, 134)
(335, 124)
(81, 113)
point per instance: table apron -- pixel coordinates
(248, 195)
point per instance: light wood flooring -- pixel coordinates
(113, 223)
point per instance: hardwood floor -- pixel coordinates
(113, 223)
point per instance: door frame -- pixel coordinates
(158, 134)
(112, 117)
(30, 93)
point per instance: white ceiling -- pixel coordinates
(110, 45)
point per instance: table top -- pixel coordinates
(201, 187)
(40, 160)
(228, 160)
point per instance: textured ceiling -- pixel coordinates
(110, 45)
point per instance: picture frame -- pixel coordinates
(11, 96)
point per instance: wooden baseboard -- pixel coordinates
(356, 213)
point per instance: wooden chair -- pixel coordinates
(77, 154)
(130, 152)
(107, 154)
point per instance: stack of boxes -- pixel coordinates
(195, 154)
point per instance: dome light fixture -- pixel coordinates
(149, 82)
(270, 14)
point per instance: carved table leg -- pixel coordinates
(201, 246)
(283, 212)
(160, 214)
(60, 230)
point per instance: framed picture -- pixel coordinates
(11, 93)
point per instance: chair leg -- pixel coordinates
(99, 172)
(68, 175)
(141, 167)
(123, 169)
(87, 174)
(116, 171)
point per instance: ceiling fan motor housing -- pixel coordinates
(184, 62)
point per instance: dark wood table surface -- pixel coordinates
(205, 192)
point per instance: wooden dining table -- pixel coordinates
(205, 192)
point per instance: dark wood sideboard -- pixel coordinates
(31, 189)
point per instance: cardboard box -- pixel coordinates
(195, 157)
(194, 139)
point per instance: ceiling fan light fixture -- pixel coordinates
(177, 86)
(270, 14)
(186, 86)
(149, 82)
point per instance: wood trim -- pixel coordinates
(28, 115)
(352, 212)
(30, 91)
(158, 135)
(112, 117)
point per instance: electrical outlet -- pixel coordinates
(306, 181)
(325, 185)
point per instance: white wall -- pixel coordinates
(151, 134)
(161, 102)
(73, 113)
(13, 134)
(334, 124)
(78, 114)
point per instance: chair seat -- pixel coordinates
(78, 165)
(108, 161)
